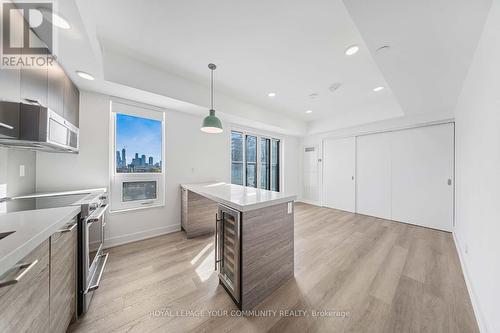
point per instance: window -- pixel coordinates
(251, 161)
(255, 161)
(138, 171)
(265, 171)
(237, 158)
(275, 165)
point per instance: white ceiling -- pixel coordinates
(291, 48)
(432, 43)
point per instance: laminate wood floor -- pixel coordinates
(353, 273)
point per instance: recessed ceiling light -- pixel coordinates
(378, 88)
(309, 111)
(272, 94)
(353, 49)
(85, 76)
(334, 87)
(55, 18)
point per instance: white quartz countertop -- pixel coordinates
(241, 198)
(32, 228)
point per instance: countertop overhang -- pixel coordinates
(32, 228)
(241, 198)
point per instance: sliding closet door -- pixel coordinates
(422, 175)
(339, 168)
(373, 183)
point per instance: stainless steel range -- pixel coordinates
(91, 259)
(91, 228)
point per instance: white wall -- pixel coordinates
(191, 156)
(11, 183)
(478, 175)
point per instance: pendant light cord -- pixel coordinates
(211, 89)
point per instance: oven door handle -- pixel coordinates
(96, 216)
(94, 286)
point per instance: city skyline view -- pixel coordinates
(138, 143)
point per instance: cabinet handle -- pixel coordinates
(68, 229)
(25, 268)
(6, 126)
(32, 101)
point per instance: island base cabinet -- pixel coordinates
(24, 306)
(198, 214)
(267, 252)
(63, 277)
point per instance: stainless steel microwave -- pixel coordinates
(32, 126)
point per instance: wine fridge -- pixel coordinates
(227, 250)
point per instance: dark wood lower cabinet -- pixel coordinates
(44, 298)
(24, 306)
(63, 278)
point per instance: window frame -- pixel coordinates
(119, 106)
(259, 135)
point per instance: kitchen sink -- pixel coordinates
(5, 234)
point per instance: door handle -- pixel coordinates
(449, 181)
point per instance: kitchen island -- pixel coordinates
(254, 236)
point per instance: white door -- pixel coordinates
(339, 168)
(422, 176)
(373, 185)
(310, 192)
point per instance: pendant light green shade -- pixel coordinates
(211, 124)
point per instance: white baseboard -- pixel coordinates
(141, 235)
(314, 203)
(481, 322)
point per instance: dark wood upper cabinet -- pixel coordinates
(56, 82)
(10, 85)
(34, 81)
(71, 102)
(49, 86)
(34, 85)
(9, 119)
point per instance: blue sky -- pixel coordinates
(138, 135)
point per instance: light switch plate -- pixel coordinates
(21, 170)
(290, 207)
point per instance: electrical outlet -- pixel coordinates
(290, 207)
(21, 170)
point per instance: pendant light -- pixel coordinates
(211, 124)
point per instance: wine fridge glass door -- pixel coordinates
(229, 250)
